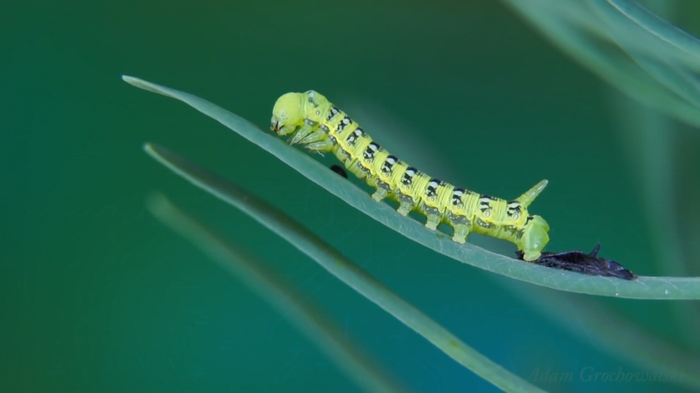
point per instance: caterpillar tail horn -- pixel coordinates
(530, 195)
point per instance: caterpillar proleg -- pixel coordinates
(319, 126)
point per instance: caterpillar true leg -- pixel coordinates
(315, 136)
(325, 145)
(286, 130)
(306, 129)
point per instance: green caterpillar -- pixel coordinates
(314, 122)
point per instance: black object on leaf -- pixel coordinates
(579, 261)
(339, 170)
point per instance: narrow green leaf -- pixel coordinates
(618, 70)
(592, 322)
(686, 44)
(584, 315)
(666, 288)
(634, 25)
(345, 270)
(650, 140)
(655, 60)
(238, 261)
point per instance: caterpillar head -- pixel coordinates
(293, 109)
(288, 113)
(534, 237)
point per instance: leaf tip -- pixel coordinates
(152, 150)
(158, 204)
(148, 147)
(130, 79)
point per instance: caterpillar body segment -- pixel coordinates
(319, 126)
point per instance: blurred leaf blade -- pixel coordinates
(235, 259)
(650, 138)
(586, 317)
(658, 27)
(342, 268)
(615, 335)
(662, 288)
(623, 20)
(676, 78)
(665, 69)
(567, 25)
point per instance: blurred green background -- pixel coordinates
(99, 297)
